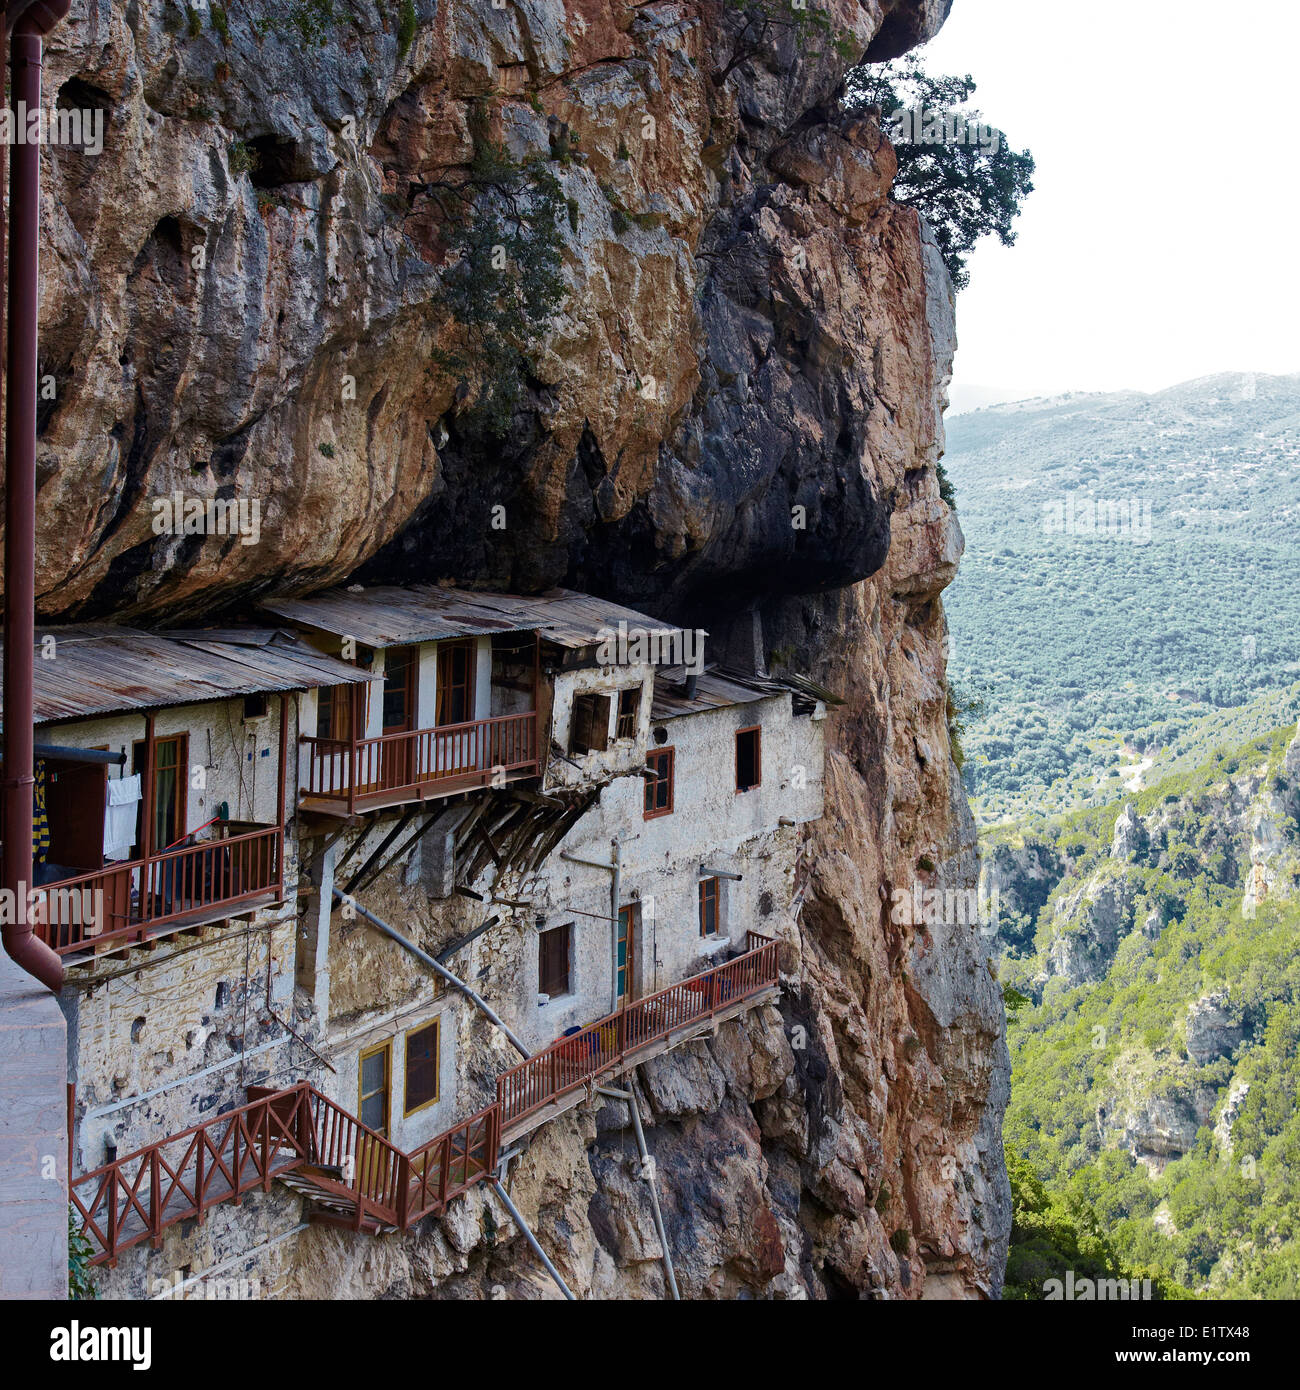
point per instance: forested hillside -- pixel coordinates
(1128, 589)
(1153, 985)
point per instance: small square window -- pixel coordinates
(553, 960)
(421, 1067)
(749, 759)
(659, 786)
(254, 706)
(709, 900)
(629, 707)
(589, 727)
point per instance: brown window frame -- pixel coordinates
(336, 702)
(180, 810)
(403, 680)
(434, 1024)
(710, 891)
(625, 721)
(386, 1049)
(757, 731)
(442, 700)
(565, 931)
(595, 702)
(650, 811)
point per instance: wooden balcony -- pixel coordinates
(395, 769)
(355, 1177)
(239, 870)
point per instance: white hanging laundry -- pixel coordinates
(119, 816)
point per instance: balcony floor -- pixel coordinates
(689, 1031)
(383, 799)
(97, 947)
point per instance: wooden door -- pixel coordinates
(170, 791)
(75, 796)
(456, 752)
(401, 681)
(625, 982)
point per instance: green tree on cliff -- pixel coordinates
(953, 167)
(503, 279)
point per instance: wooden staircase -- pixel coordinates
(354, 1177)
(332, 1202)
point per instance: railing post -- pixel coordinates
(233, 1131)
(494, 1138)
(403, 1192)
(444, 1162)
(266, 1145)
(200, 1149)
(112, 1213)
(155, 1201)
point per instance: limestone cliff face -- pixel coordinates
(242, 297)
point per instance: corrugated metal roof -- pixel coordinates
(713, 690)
(102, 669)
(388, 616)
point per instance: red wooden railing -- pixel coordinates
(372, 769)
(572, 1061)
(128, 900)
(135, 1198)
(453, 1162)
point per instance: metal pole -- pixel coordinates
(616, 887)
(436, 966)
(649, 1173)
(21, 943)
(531, 1238)
(615, 893)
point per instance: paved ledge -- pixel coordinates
(33, 1139)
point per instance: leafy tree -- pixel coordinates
(966, 188)
(81, 1276)
(503, 279)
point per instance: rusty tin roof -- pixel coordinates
(390, 616)
(103, 669)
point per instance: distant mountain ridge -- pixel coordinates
(1090, 637)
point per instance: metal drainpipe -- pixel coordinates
(616, 889)
(28, 24)
(615, 894)
(531, 1238)
(436, 966)
(629, 1096)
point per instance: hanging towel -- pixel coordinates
(40, 821)
(119, 816)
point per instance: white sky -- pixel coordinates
(1160, 242)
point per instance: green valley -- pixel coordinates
(1148, 959)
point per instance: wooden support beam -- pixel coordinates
(378, 853)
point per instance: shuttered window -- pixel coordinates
(589, 728)
(422, 1067)
(553, 960)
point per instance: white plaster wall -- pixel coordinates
(622, 755)
(345, 1047)
(426, 696)
(483, 678)
(711, 824)
(151, 1022)
(243, 754)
